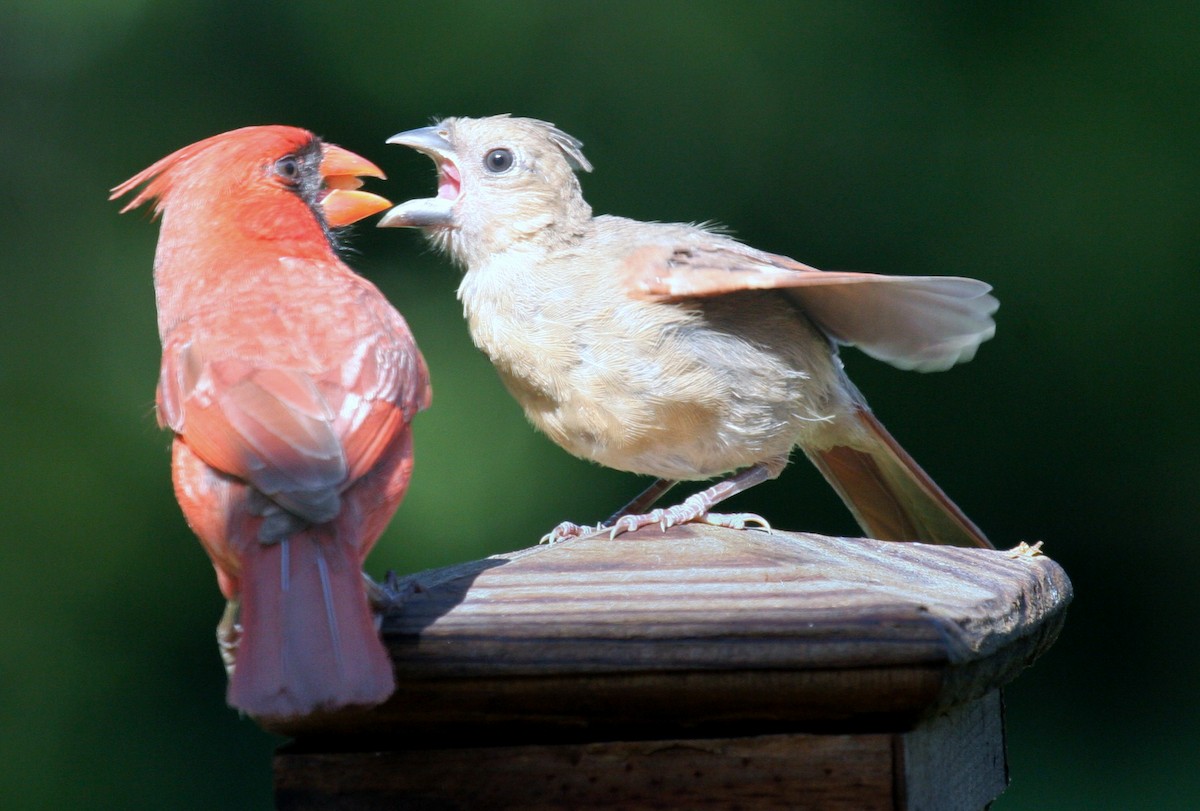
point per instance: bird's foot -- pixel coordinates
(229, 635)
(567, 530)
(737, 521)
(389, 595)
(694, 509)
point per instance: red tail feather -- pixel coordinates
(308, 637)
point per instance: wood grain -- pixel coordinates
(766, 772)
(701, 668)
(703, 628)
(952, 763)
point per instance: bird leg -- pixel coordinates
(696, 507)
(693, 508)
(644, 501)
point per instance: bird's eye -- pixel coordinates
(498, 160)
(288, 168)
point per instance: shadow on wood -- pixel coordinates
(703, 668)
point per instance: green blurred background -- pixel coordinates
(1051, 150)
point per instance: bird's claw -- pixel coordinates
(738, 521)
(632, 523)
(687, 513)
(567, 530)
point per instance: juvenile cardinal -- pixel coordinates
(289, 383)
(677, 352)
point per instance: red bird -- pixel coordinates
(290, 384)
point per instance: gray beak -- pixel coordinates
(430, 140)
(429, 212)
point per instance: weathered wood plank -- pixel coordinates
(768, 772)
(704, 668)
(955, 761)
(703, 627)
(703, 583)
(950, 763)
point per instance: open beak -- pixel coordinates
(429, 212)
(342, 202)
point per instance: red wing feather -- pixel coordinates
(381, 394)
(270, 427)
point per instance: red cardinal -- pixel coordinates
(290, 384)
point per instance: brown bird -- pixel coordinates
(678, 352)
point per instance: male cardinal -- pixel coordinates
(677, 352)
(289, 383)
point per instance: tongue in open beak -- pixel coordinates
(342, 202)
(428, 212)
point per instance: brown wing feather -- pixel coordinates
(927, 323)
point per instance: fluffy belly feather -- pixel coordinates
(681, 395)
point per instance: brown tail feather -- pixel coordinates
(889, 494)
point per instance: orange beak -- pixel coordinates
(343, 203)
